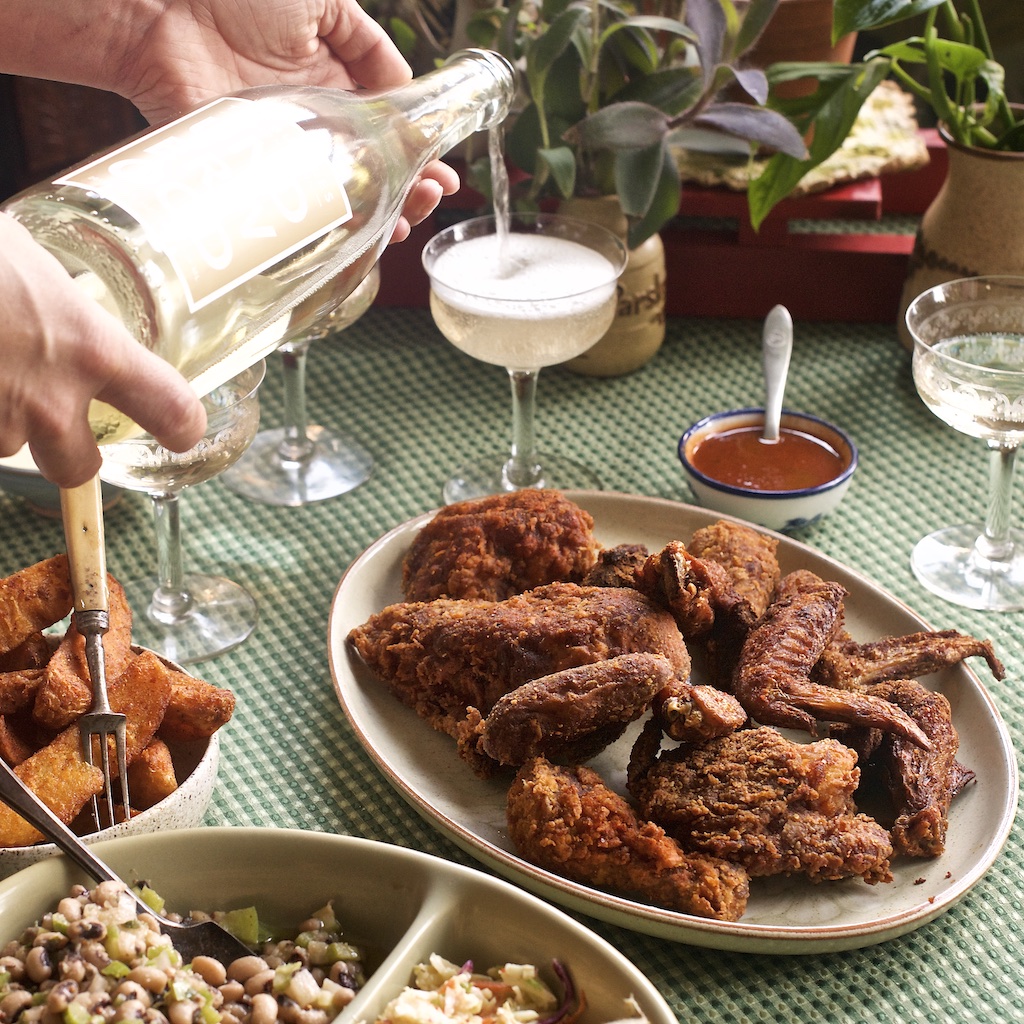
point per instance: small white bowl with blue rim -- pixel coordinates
(782, 510)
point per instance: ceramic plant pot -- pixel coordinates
(972, 227)
(639, 326)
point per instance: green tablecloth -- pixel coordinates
(289, 757)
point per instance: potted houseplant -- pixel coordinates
(609, 88)
(972, 226)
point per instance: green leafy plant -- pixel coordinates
(950, 67)
(609, 87)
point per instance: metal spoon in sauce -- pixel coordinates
(776, 346)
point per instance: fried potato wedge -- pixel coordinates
(18, 689)
(197, 709)
(59, 775)
(66, 690)
(16, 739)
(151, 776)
(33, 652)
(32, 599)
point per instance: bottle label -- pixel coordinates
(224, 192)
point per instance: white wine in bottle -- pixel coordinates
(201, 234)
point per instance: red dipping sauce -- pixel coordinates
(740, 458)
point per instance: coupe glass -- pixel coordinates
(969, 369)
(302, 462)
(188, 616)
(539, 293)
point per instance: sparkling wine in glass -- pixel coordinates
(539, 293)
(969, 369)
(188, 617)
(299, 462)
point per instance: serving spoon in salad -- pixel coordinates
(189, 938)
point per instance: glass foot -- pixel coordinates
(947, 564)
(336, 465)
(490, 476)
(220, 615)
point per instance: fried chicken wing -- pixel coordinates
(772, 680)
(921, 783)
(494, 547)
(442, 657)
(772, 805)
(566, 820)
(847, 664)
(572, 715)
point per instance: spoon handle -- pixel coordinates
(776, 347)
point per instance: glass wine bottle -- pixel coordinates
(201, 234)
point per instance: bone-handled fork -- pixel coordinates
(82, 512)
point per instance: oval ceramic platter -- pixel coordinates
(400, 905)
(784, 915)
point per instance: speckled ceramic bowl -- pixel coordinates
(776, 510)
(20, 479)
(195, 766)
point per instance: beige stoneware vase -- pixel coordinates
(639, 327)
(972, 227)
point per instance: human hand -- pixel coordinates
(196, 50)
(60, 351)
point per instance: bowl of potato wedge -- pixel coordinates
(173, 718)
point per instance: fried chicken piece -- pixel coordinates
(772, 680)
(690, 712)
(616, 567)
(567, 821)
(442, 657)
(572, 715)
(494, 547)
(773, 806)
(921, 783)
(748, 557)
(717, 587)
(846, 664)
(691, 589)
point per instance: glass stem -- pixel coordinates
(995, 545)
(295, 445)
(522, 468)
(171, 602)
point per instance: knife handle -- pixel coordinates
(82, 511)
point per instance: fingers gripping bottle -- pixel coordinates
(202, 234)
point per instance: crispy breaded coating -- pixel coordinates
(442, 657)
(495, 547)
(567, 821)
(570, 716)
(920, 783)
(761, 800)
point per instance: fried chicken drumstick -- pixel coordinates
(567, 821)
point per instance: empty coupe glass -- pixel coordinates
(302, 462)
